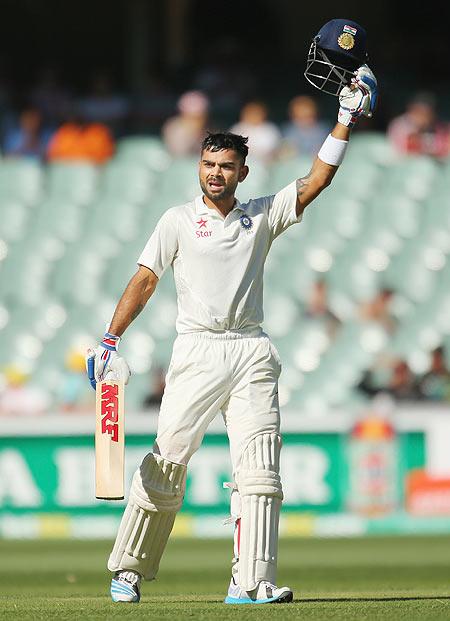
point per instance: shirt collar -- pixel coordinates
(202, 209)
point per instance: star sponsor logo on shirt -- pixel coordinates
(202, 224)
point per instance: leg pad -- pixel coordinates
(156, 495)
(260, 491)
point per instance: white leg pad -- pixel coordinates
(156, 495)
(260, 491)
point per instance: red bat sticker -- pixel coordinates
(110, 410)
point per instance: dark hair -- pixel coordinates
(226, 140)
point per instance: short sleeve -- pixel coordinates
(161, 248)
(282, 209)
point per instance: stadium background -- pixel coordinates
(70, 235)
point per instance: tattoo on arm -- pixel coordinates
(302, 184)
(137, 311)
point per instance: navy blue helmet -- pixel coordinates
(337, 50)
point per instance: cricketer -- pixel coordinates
(222, 361)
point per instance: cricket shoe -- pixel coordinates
(265, 593)
(125, 587)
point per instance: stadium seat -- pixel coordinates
(60, 217)
(371, 146)
(21, 180)
(128, 181)
(179, 183)
(147, 151)
(75, 182)
(14, 218)
(116, 217)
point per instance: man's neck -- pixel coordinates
(222, 206)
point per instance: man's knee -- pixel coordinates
(158, 484)
(260, 467)
(176, 447)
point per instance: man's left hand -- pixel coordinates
(104, 363)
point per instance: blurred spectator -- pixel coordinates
(102, 105)
(153, 399)
(29, 138)
(305, 133)
(419, 130)
(402, 382)
(183, 134)
(263, 136)
(18, 398)
(395, 379)
(378, 310)
(78, 140)
(151, 105)
(316, 307)
(227, 76)
(76, 394)
(50, 98)
(7, 118)
(435, 385)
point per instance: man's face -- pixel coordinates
(220, 172)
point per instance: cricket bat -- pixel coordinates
(109, 440)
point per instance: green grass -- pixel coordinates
(371, 578)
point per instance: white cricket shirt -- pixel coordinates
(218, 263)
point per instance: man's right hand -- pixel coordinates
(104, 363)
(358, 99)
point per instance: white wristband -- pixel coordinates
(333, 150)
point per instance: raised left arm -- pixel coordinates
(358, 99)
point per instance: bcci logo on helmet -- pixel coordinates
(346, 41)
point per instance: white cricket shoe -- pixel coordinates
(125, 587)
(265, 593)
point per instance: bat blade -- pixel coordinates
(109, 440)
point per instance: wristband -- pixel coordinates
(333, 150)
(347, 118)
(111, 341)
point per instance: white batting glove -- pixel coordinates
(104, 363)
(358, 99)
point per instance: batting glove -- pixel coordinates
(358, 99)
(104, 363)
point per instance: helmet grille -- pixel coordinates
(326, 71)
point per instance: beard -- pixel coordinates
(226, 192)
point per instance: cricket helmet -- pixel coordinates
(336, 51)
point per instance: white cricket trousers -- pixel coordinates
(235, 373)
